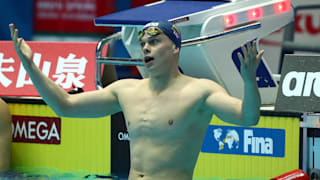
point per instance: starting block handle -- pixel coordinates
(237, 29)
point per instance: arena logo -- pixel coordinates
(301, 84)
(244, 141)
(299, 88)
(33, 129)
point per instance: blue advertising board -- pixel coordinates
(244, 141)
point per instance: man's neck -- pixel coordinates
(160, 82)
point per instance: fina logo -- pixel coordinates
(244, 141)
(231, 139)
(257, 144)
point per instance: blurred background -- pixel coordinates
(65, 20)
(72, 20)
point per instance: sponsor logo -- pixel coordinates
(180, 20)
(307, 23)
(244, 141)
(263, 76)
(32, 129)
(259, 145)
(301, 84)
(152, 24)
(67, 67)
(123, 136)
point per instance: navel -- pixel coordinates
(170, 122)
(141, 175)
(128, 123)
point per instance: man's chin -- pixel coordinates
(149, 66)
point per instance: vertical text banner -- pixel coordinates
(299, 89)
(68, 64)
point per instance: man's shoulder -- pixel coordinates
(129, 81)
(203, 82)
(205, 85)
(125, 83)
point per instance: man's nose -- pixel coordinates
(145, 49)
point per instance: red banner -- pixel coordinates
(32, 129)
(75, 16)
(137, 3)
(68, 64)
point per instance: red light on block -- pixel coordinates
(230, 20)
(282, 7)
(256, 13)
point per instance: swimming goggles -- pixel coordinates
(151, 31)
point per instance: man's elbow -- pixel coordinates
(253, 121)
(62, 110)
(60, 113)
(66, 112)
(252, 124)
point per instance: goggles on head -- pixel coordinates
(151, 31)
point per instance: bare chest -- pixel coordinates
(172, 113)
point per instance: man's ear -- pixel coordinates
(175, 48)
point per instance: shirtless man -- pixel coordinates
(166, 114)
(5, 136)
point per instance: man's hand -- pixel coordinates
(250, 61)
(22, 48)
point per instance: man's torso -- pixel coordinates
(166, 129)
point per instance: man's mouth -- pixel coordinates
(148, 59)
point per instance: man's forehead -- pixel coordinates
(147, 37)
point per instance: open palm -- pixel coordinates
(250, 61)
(21, 47)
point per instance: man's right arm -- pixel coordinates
(90, 104)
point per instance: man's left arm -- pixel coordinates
(251, 102)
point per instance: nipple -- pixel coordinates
(170, 122)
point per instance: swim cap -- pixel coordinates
(166, 27)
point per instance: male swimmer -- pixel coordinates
(5, 136)
(166, 114)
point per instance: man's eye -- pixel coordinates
(142, 44)
(154, 41)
